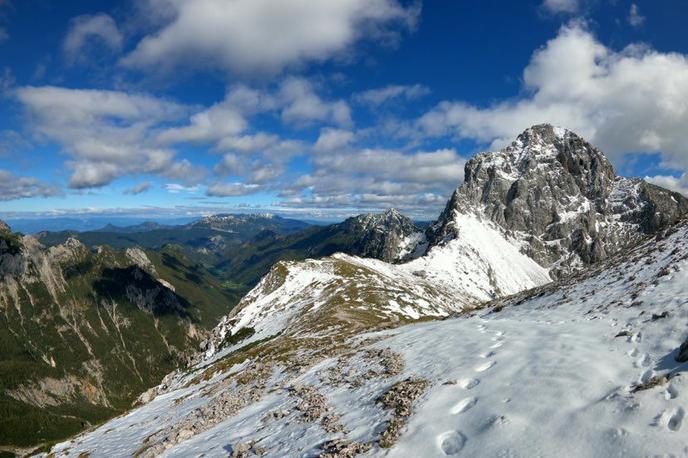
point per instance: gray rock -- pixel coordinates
(561, 197)
(682, 356)
(388, 236)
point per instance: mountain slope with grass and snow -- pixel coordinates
(546, 343)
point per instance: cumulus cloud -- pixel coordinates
(231, 164)
(378, 178)
(295, 100)
(633, 100)
(262, 36)
(176, 188)
(301, 105)
(139, 188)
(634, 17)
(232, 189)
(88, 29)
(14, 187)
(333, 139)
(213, 124)
(678, 184)
(381, 95)
(106, 133)
(561, 6)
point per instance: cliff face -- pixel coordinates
(561, 197)
(388, 236)
(83, 333)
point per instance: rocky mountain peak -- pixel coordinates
(560, 195)
(389, 235)
(4, 227)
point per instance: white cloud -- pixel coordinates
(384, 94)
(378, 178)
(262, 36)
(626, 101)
(14, 187)
(106, 133)
(634, 16)
(561, 6)
(301, 105)
(678, 184)
(139, 188)
(263, 173)
(224, 123)
(213, 124)
(232, 189)
(176, 188)
(86, 30)
(231, 164)
(333, 139)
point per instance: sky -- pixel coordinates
(320, 109)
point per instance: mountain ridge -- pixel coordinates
(562, 197)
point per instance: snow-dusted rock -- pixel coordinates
(560, 196)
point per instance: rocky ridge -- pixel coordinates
(388, 236)
(560, 196)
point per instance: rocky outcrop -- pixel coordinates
(561, 197)
(11, 258)
(388, 236)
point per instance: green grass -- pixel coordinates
(133, 349)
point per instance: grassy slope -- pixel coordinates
(126, 349)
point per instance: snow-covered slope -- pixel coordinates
(585, 366)
(479, 265)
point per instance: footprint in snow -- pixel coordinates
(633, 352)
(487, 354)
(643, 361)
(676, 419)
(469, 383)
(451, 442)
(497, 344)
(646, 376)
(671, 392)
(463, 405)
(637, 337)
(485, 366)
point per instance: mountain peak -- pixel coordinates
(389, 235)
(562, 198)
(4, 227)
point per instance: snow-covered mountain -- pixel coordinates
(315, 360)
(560, 197)
(389, 236)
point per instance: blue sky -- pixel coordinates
(320, 109)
